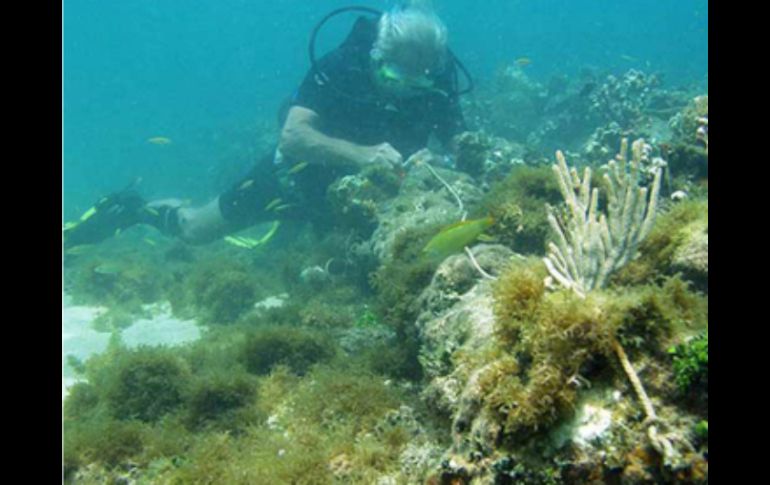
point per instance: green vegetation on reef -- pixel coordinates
(272, 397)
(81, 401)
(120, 283)
(547, 340)
(399, 280)
(398, 283)
(670, 235)
(397, 361)
(470, 152)
(517, 203)
(702, 430)
(654, 314)
(293, 347)
(143, 384)
(220, 400)
(102, 440)
(221, 291)
(232, 427)
(691, 369)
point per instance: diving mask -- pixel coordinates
(396, 79)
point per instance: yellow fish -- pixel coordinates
(159, 140)
(523, 61)
(455, 237)
(80, 249)
(298, 167)
(108, 269)
(272, 204)
(88, 213)
(246, 184)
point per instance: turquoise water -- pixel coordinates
(209, 75)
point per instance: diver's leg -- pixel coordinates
(256, 198)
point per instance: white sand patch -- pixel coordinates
(81, 341)
(275, 301)
(161, 329)
(78, 338)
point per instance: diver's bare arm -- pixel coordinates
(301, 139)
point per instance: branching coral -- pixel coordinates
(589, 245)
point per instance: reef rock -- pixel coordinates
(456, 308)
(488, 158)
(623, 99)
(456, 318)
(692, 255)
(422, 200)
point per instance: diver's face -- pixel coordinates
(403, 79)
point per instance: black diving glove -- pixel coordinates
(115, 213)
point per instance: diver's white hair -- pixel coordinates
(413, 37)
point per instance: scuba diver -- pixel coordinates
(374, 100)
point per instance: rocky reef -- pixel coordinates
(349, 355)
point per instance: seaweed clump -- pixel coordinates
(471, 151)
(221, 292)
(551, 342)
(398, 283)
(120, 284)
(549, 339)
(675, 243)
(220, 400)
(105, 441)
(691, 370)
(517, 203)
(323, 428)
(293, 347)
(144, 384)
(81, 401)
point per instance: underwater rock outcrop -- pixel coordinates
(688, 150)
(678, 243)
(528, 380)
(535, 380)
(456, 311)
(487, 158)
(422, 201)
(354, 198)
(691, 256)
(623, 99)
(457, 318)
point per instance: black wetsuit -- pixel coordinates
(346, 100)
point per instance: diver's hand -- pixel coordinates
(384, 154)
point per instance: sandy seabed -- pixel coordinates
(81, 341)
